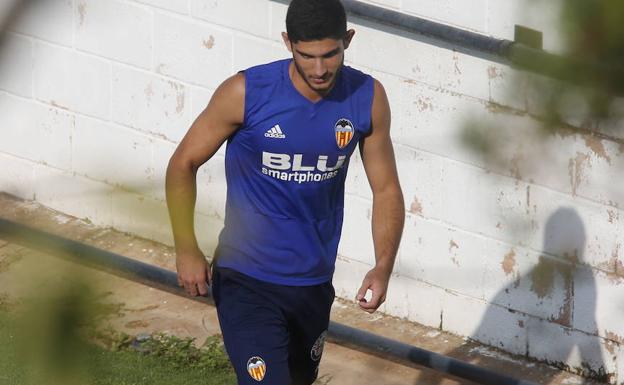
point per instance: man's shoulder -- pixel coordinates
(355, 74)
(357, 81)
(270, 69)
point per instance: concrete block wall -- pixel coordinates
(96, 94)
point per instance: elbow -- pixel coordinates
(398, 193)
(400, 202)
(179, 163)
(390, 193)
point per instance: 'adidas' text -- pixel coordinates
(275, 132)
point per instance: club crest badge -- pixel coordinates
(256, 368)
(317, 349)
(344, 132)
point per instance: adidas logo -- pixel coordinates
(275, 132)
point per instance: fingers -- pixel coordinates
(191, 288)
(194, 287)
(375, 301)
(362, 291)
(371, 305)
(378, 294)
(193, 274)
(202, 288)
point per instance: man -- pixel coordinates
(291, 127)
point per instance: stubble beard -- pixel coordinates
(322, 91)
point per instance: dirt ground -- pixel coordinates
(144, 309)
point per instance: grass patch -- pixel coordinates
(56, 336)
(126, 360)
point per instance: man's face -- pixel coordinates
(319, 61)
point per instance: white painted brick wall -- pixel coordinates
(73, 194)
(116, 30)
(150, 103)
(36, 132)
(71, 80)
(200, 97)
(162, 150)
(192, 51)
(501, 328)
(446, 257)
(278, 20)
(207, 232)
(211, 188)
(453, 12)
(95, 96)
(139, 214)
(16, 65)
(254, 20)
(116, 155)
(596, 292)
(17, 176)
(249, 51)
(50, 20)
(423, 302)
(180, 6)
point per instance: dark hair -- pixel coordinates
(308, 20)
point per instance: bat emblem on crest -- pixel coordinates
(344, 132)
(256, 367)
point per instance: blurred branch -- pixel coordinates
(9, 9)
(578, 70)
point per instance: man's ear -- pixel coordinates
(348, 37)
(287, 41)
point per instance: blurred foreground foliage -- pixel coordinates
(595, 35)
(582, 91)
(58, 333)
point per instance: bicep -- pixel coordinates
(376, 149)
(217, 122)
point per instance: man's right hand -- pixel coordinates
(194, 273)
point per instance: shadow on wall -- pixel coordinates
(535, 314)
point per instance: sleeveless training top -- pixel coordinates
(285, 170)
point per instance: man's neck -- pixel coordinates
(304, 88)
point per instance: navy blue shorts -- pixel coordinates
(273, 334)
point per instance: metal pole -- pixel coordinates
(457, 37)
(166, 280)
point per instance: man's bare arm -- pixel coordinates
(388, 206)
(219, 120)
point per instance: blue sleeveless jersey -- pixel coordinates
(285, 170)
